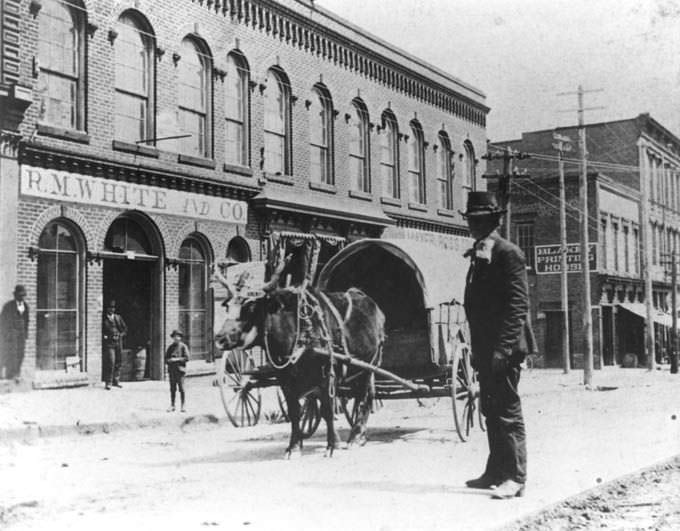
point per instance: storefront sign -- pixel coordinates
(77, 188)
(549, 258)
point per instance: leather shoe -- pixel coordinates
(482, 482)
(508, 489)
(116, 384)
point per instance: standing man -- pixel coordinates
(13, 332)
(497, 305)
(113, 332)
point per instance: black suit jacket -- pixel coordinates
(497, 304)
(113, 331)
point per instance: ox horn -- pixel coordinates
(274, 280)
(218, 277)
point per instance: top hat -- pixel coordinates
(176, 333)
(19, 289)
(482, 204)
(111, 304)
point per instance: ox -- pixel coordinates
(290, 324)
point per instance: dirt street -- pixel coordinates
(409, 476)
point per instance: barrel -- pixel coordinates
(140, 364)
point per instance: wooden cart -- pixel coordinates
(426, 354)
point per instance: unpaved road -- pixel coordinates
(409, 476)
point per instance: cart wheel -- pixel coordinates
(310, 412)
(464, 391)
(241, 401)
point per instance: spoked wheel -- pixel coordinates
(310, 412)
(464, 391)
(241, 401)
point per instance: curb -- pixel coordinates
(34, 431)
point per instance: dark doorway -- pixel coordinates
(130, 284)
(608, 335)
(553, 339)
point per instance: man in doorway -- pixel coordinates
(113, 332)
(13, 332)
(496, 305)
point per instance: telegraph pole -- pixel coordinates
(646, 258)
(562, 144)
(587, 330)
(504, 181)
(674, 298)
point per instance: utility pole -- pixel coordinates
(587, 312)
(562, 144)
(504, 181)
(646, 258)
(674, 299)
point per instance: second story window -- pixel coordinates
(236, 111)
(321, 136)
(134, 81)
(61, 56)
(469, 166)
(416, 164)
(389, 156)
(525, 241)
(359, 142)
(445, 172)
(277, 124)
(194, 96)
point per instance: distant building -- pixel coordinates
(622, 152)
(143, 141)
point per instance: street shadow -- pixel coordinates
(401, 488)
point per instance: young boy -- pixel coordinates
(176, 358)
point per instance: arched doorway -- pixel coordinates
(59, 316)
(133, 277)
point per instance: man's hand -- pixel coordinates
(499, 363)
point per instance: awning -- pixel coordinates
(321, 204)
(639, 309)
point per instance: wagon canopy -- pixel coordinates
(409, 280)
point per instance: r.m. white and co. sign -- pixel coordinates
(549, 258)
(77, 188)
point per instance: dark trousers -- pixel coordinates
(14, 347)
(176, 383)
(112, 357)
(504, 425)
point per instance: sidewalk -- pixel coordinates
(85, 410)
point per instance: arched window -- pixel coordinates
(359, 148)
(469, 166)
(195, 90)
(445, 173)
(389, 156)
(236, 110)
(193, 297)
(321, 136)
(58, 312)
(134, 80)
(126, 235)
(277, 136)
(416, 164)
(61, 58)
(238, 250)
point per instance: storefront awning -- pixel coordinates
(323, 205)
(639, 309)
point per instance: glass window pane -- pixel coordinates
(193, 124)
(131, 66)
(47, 280)
(274, 153)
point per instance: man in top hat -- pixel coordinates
(13, 332)
(113, 332)
(176, 357)
(497, 305)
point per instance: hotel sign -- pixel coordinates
(84, 189)
(549, 258)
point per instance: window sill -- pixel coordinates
(279, 178)
(137, 149)
(390, 201)
(66, 134)
(418, 207)
(359, 194)
(196, 161)
(446, 212)
(323, 187)
(238, 169)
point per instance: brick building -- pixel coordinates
(621, 153)
(144, 140)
